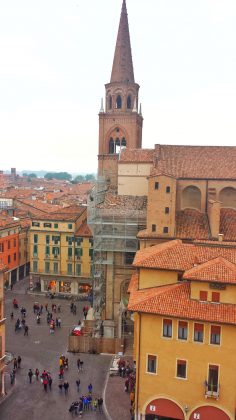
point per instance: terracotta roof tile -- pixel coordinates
(174, 301)
(192, 224)
(204, 162)
(217, 270)
(175, 255)
(228, 224)
(84, 230)
(137, 155)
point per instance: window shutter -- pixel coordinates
(215, 329)
(198, 327)
(203, 295)
(215, 297)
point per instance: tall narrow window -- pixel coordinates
(167, 328)
(78, 269)
(183, 330)
(55, 267)
(215, 297)
(35, 239)
(129, 103)
(156, 185)
(215, 334)
(168, 190)
(111, 146)
(213, 379)
(198, 332)
(203, 295)
(151, 363)
(118, 102)
(153, 228)
(35, 266)
(110, 102)
(181, 371)
(47, 267)
(35, 251)
(69, 268)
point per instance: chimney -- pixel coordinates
(221, 237)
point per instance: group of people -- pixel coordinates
(125, 371)
(46, 378)
(16, 365)
(86, 403)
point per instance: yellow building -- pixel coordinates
(61, 252)
(3, 269)
(184, 300)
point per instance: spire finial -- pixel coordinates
(102, 107)
(122, 70)
(135, 108)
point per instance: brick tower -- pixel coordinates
(120, 124)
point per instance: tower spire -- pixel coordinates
(122, 70)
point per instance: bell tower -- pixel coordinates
(120, 123)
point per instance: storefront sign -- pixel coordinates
(197, 416)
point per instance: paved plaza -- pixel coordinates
(42, 350)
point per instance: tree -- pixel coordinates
(79, 178)
(58, 175)
(89, 177)
(32, 175)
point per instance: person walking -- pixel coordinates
(59, 322)
(90, 388)
(78, 364)
(45, 383)
(36, 374)
(12, 377)
(50, 382)
(78, 384)
(60, 386)
(19, 362)
(61, 373)
(15, 363)
(26, 330)
(66, 387)
(30, 375)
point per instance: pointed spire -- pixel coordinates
(140, 110)
(135, 108)
(102, 107)
(122, 70)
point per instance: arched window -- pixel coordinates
(111, 146)
(129, 102)
(118, 102)
(228, 197)
(191, 198)
(110, 102)
(123, 143)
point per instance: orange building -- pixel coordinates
(2, 329)
(9, 246)
(184, 300)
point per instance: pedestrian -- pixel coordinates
(11, 286)
(85, 314)
(12, 315)
(19, 362)
(78, 364)
(66, 363)
(26, 330)
(60, 386)
(90, 388)
(46, 307)
(15, 363)
(41, 309)
(45, 383)
(30, 374)
(78, 384)
(37, 374)
(59, 322)
(80, 407)
(58, 308)
(74, 309)
(50, 382)
(12, 377)
(71, 307)
(66, 387)
(61, 373)
(100, 403)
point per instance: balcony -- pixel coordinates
(212, 390)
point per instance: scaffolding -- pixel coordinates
(115, 221)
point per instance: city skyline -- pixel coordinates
(51, 83)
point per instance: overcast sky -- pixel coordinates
(56, 56)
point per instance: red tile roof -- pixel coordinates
(84, 231)
(204, 162)
(228, 224)
(174, 301)
(175, 255)
(137, 155)
(217, 270)
(192, 224)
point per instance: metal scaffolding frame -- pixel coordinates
(114, 229)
